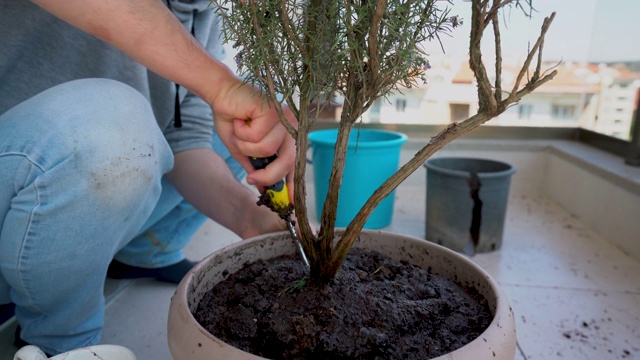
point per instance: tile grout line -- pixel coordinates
(524, 356)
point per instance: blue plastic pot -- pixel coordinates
(467, 203)
(372, 157)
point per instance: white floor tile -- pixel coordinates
(544, 246)
(576, 324)
(137, 319)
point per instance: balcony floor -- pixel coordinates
(574, 294)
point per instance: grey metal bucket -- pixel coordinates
(467, 203)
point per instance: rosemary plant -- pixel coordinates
(303, 52)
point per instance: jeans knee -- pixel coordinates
(123, 151)
(97, 109)
(101, 132)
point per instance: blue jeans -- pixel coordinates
(81, 181)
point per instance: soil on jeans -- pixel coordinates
(376, 308)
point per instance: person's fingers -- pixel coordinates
(249, 126)
(276, 141)
(263, 118)
(268, 144)
(224, 129)
(277, 170)
(261, 122)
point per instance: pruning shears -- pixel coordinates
(277, 199)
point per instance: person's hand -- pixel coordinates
(249, 126)
(262, 221)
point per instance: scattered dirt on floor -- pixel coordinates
(376, 308)
(595, 334)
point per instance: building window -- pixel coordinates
(459, 112)
(563, 112)
(401, 104)
(524, 111)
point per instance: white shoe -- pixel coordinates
(106, 352)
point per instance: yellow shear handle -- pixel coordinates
(278, 192)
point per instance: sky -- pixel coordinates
(583, 30)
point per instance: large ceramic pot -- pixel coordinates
(190, 341)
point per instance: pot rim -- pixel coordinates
(431, 164)
(392, 138)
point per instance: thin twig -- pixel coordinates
(545, 26)
(269, 82)
(533, 85)
(286, 24)
(497, 5)
(536, 74)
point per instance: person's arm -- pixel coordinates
(204, 179)
(148, 32)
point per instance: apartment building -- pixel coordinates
(598, 97)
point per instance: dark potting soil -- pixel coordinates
(376, 308)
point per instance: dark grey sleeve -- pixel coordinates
(196, 115)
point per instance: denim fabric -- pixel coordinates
(81, 168)
(172, 223)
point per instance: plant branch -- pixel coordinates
(286, 24)
(452, 132)
(374, 62)
(536, 73)
(525, 66)
(307, 237)
(485, 95)
(527, 89)
(493, 12)
(498, 50)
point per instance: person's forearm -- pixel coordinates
(204, 180)
(148, 32)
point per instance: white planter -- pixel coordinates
(190, 341)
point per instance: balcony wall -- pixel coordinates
(594, 186)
